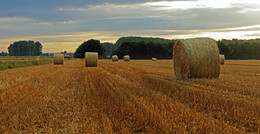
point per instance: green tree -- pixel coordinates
(255, 49)
(240, 49)
(108, 47)
(4, 53)
(224, 49)
(25, 48)
(145, 50)
(89, 46)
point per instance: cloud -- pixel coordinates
(62, 42)
(14, 19)
(71, 22)
(248, 32)
(253, 35)
(219, 4)
(70, 41)
(196, 14)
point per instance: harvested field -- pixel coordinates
(13, 60)
(140, 96)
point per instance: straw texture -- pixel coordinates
(222, 59)
(196, 58)
(114, 58)
(126, 58)
(91, 59)
(58, 59)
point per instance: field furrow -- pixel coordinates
(128, 97)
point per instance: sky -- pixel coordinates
(62, 25)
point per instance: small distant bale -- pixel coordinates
(222, 59)
(154, 59)
(196, 58)
(37, 58)
(114, 58)
(58, 59)
(91, 59)
(126, 58)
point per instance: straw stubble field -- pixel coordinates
(129, 97)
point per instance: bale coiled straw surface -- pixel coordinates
(196, 58)
(37, 57)
(114, 58)
(58, 59)
(222, 59)
(154, 59)
(126, 58)
(91, 59)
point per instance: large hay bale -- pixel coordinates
(196, 58)
(114, 58)
(126, 58)
(58, 59)
(222, 59)
(91, 59)
(154, 59)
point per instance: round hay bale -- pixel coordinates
(154, 59)
(114, 58)
(37, 57)
(58, 59)
(222, 59)
(196, 58)
(91, 59)
(126, 58)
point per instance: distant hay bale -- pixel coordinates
(126, 58)
(154, 59)
(91, 59)
(37, 57)
(114, 58)
(58, 59)
(222, 59)
(196, 58)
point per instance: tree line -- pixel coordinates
(90, 46)
(140, 48)
(240, 49)
(145, 50)
(4, 53)
(110, 47)
(25, 48)
(232, 49)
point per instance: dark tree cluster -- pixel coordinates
(25, 48)
(121, 40)
(89, 46)
(4, 53)
(163, 49)
(240, 49)
(145, 50)
(109, 47)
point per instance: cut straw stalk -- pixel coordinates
(58, 59)
(222, 59)
(91, 59)
(126, 58)
(114, 58)
(196, 58)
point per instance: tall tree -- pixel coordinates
(89, 46)
(145, 50)
(108, 47)
(25, 48)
